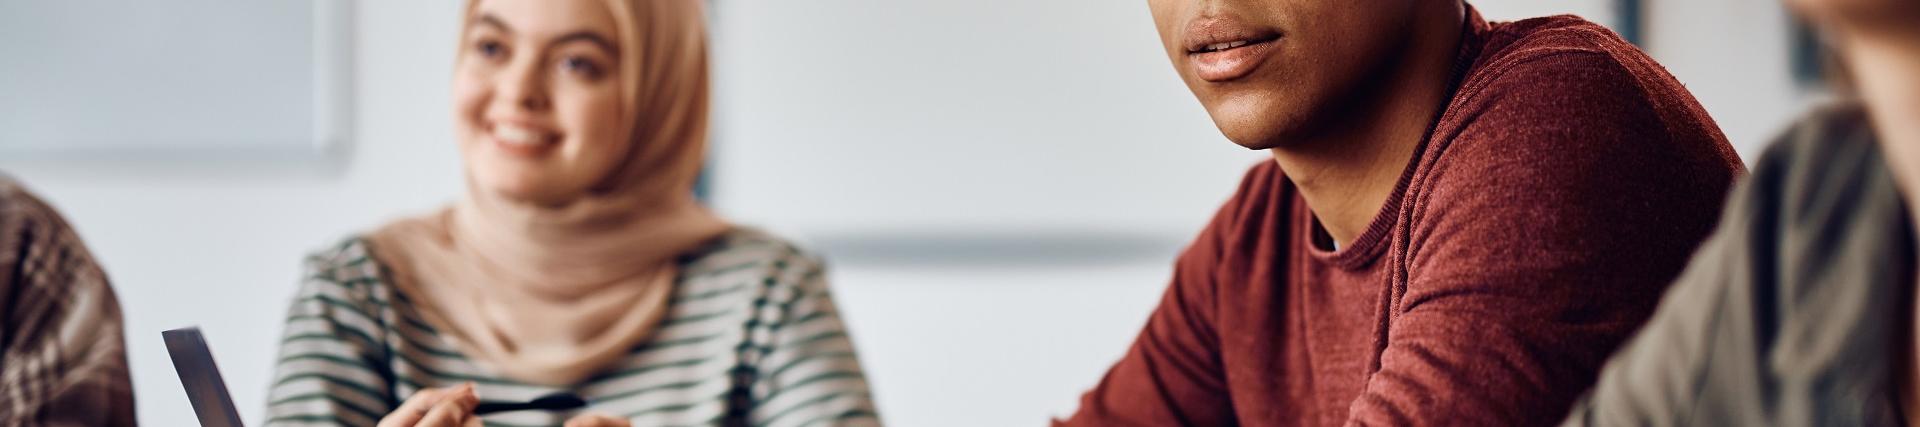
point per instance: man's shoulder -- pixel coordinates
(20, 207)
(1563, 93)
(1559, 114)
(1564, 51)
(30, 227)
(1560, 34)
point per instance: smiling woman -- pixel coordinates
(579, 262)
(532, 98)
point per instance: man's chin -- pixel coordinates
(1253, 133)
(1256, 121)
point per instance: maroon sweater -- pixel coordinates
(1561, 189)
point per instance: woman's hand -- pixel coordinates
(597, 420)
(436, 407)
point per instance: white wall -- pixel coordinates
(874, 128)
(846, 114)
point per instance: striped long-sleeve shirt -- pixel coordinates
(751, 338)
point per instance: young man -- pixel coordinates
(1461, 221)
(1799, 311)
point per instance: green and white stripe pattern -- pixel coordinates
(752, 338)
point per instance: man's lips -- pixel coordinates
(1221, 50)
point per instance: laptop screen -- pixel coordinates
(205, 388)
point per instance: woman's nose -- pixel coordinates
(521, 85)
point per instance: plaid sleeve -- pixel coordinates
(62, 355)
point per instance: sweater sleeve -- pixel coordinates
(331, 352)
(1549, 227)
(809, 374)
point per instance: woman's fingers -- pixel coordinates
(597, 420)
(453, 410)
(413, 411)
(410, 411)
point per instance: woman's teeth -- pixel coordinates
(517, 135)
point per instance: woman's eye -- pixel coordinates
(580, 65)
(490, 49)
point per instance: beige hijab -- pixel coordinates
(552, 294)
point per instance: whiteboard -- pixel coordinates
(132, 78)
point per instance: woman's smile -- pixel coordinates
(523, 140)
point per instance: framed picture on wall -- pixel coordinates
(157, 82)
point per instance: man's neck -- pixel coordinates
(1346, 173)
